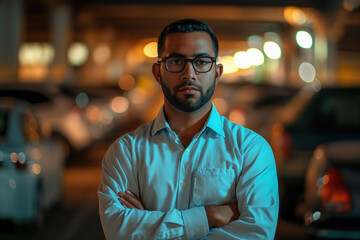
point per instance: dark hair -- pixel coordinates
(187, 26)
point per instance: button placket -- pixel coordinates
(184, 178)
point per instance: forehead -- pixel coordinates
(188, 44)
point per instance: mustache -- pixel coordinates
(188, 84)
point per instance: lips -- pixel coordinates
(188, 88)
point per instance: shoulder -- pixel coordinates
(139, 134)
(125, 144)
(242, 135)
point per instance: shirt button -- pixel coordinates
(183, 183)
(187, 150)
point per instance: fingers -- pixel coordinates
(130, 200)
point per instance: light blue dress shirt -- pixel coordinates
(224, 163)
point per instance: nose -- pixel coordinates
(189, 72)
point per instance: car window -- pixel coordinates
(337, 111)
(3, 124)
(30, 127)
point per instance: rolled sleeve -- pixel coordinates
(195, 222)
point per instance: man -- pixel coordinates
(190, 173)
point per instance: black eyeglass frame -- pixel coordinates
(186, 60)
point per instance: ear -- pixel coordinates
(156, 71)
(219, 71)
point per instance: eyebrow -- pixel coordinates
(193, 56)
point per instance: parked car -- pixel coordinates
(55, 110)
(99, 115)
(310, 119)
(254, 103)
(332, 192)
(31, 165)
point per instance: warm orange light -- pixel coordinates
(295, 16)
(36, 169)
(119, 104)
(150, 50)
(126, 82)
(93, 114)
(237, 116)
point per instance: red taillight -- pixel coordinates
(19, 159)
(335, 196)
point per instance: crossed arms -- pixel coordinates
(218, 216)
(124, 215)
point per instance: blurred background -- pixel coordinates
(75, 75)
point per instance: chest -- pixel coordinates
(172, 177)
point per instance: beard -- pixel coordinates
(188, 105)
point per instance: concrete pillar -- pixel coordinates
(11, 22)
(61, 29)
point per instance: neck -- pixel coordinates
(186, 124)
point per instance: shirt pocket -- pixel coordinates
(214, 186)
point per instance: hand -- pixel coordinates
(219, 216)
(130, 200)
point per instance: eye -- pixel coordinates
(202, 61)
(175, 61)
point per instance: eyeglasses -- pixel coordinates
(177, 64)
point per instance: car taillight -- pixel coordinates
(281, 141)
(19, 159)
(335, 196)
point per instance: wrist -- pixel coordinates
(210, 216)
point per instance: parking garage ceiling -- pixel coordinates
(144, 18)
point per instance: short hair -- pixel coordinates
(187, 26)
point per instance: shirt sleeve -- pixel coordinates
(122, 223)
(257, 196)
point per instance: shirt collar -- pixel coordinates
(214, 122)
(159, 122)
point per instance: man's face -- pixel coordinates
(187, 90)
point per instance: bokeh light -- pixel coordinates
(295, 16)
(241, 60)
(119, 104)
(255, 56)
(82, 100)
(272, 50)
(36, 54)
(77, 54)
(126, 82)
(93, 114)
(138, 96)
(102, 54)
(304, 39)
(36, 168)
(150, 50)
(228, 63)
(307, 72)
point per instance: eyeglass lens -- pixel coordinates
(200, 64)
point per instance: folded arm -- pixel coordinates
(217, 216)
(128, 220)
(257, 197)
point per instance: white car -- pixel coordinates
(55, 110)
(31, 165)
